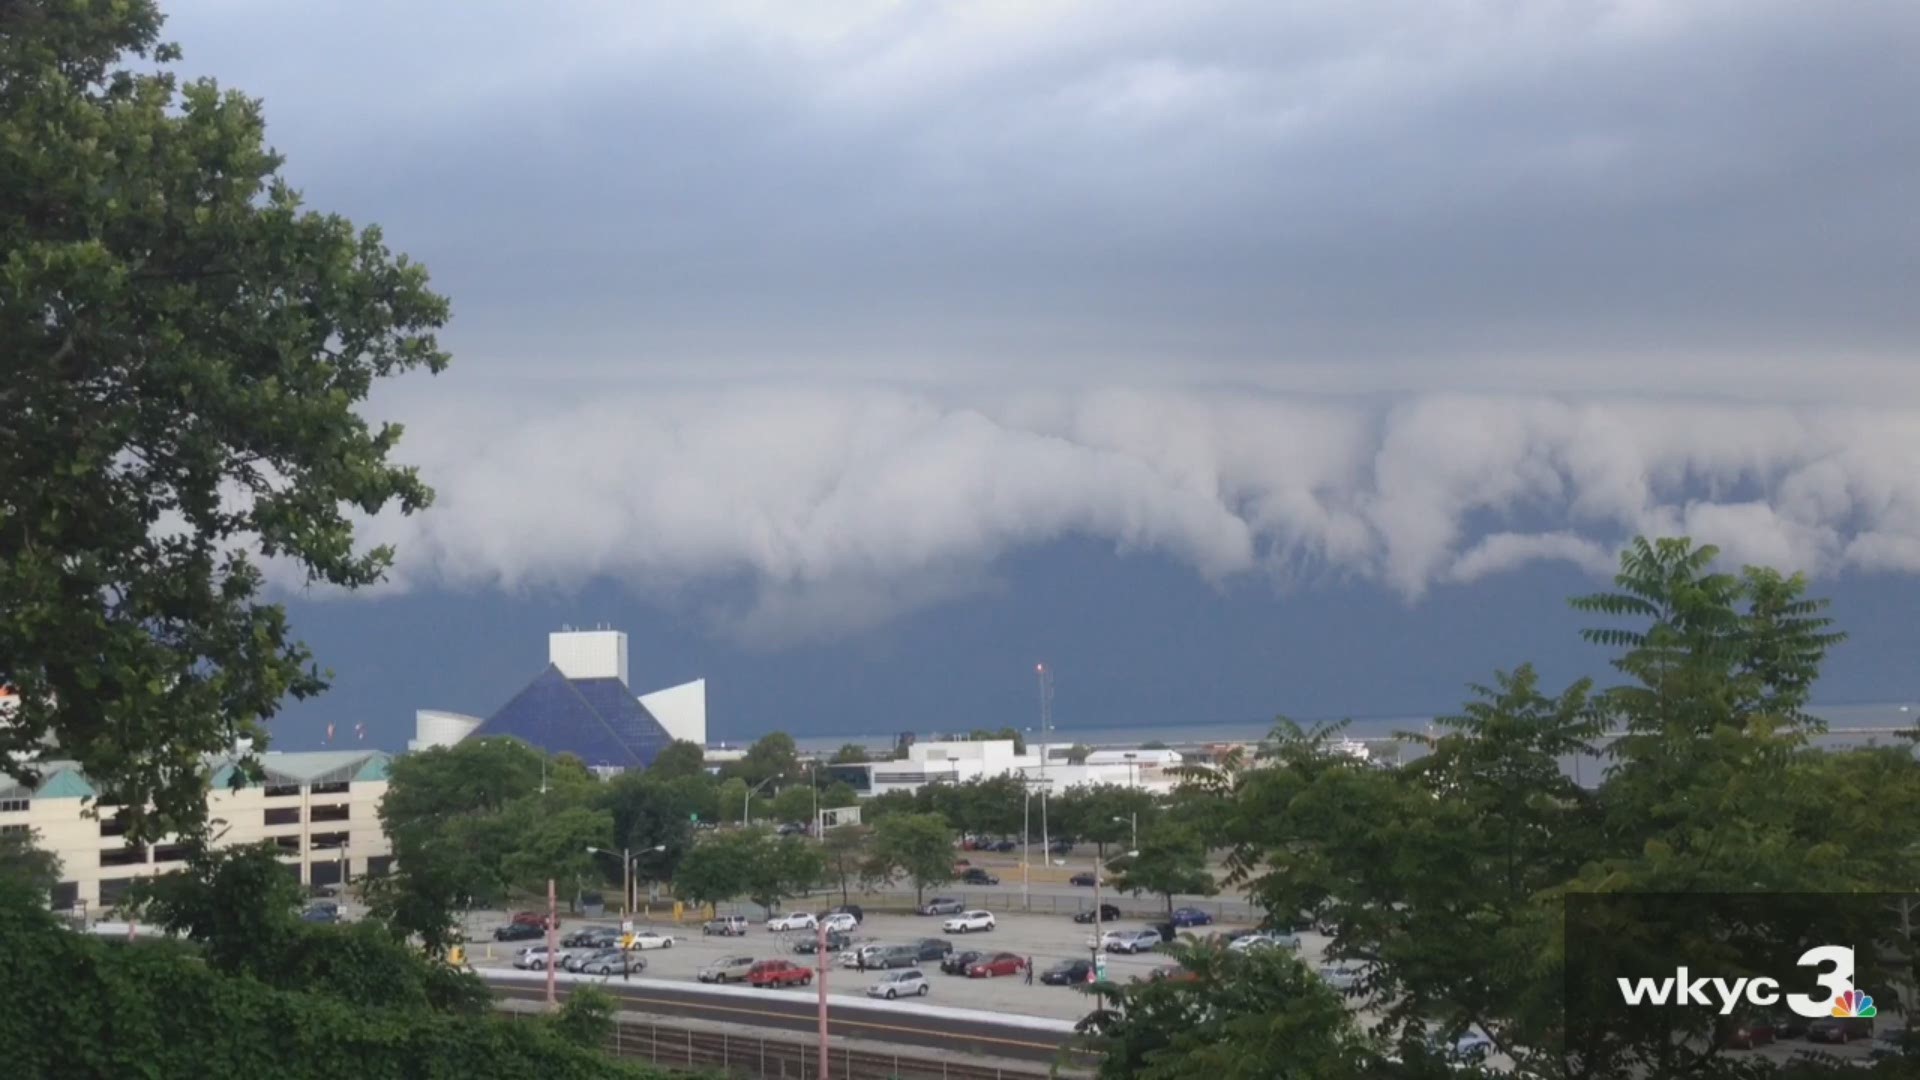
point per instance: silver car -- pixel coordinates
(942, 905)
(613, 962)
(899, 984)
(726, 969)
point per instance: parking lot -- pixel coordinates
(1047, 939)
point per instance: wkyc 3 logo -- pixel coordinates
(1839, 998)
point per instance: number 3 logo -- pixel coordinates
(1835, 982)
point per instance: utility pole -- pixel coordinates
(1046, 746)
(553, 945)
(1026, 840)
(1100, 849)
(820, 953)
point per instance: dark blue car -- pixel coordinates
(1188, 916)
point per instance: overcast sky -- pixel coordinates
(792, 328)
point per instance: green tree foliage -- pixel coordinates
(1078, 753)
(471, 778)
(773, 756)
(731, 800)
(849, 754)
(679, 759)
(839, 793)
(346, 1006)
(845, 850)
(1006, 734)
(794, 804)
(552, 845)
(1172, 862)
(586, 1017)
(21, 861)
(1254, 1016)
(1446, 878)
(184, 344)
(788, 866)
(238, 903)
(1103, 814)
(650, 812)
(889, 804)
(719, 868)
(918, 847)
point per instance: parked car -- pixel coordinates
(1005, 846)
(518, 931)
(977, 876)
(1130, 941)
(572, 957)
(1083, 879)
(791, 828)
(1191, 916)
(726, 969)
(859, 914)
(778, 973)
(836, 941)
(896, 984)
(604, 937)
(537, 918)
(321, 913)
(1747, 1032)
(533, 958)
(1060, 847)
(969, 921)
(895, 956)
(613, 962)
(957, 963)
(1839, 1029)
(1786, 1024)
(1108, 913)
(652, 939)
(1264, 939)
(1004, 963)
(729, 926)
(797, 920)
(1888, 1046)
(933, 948)
(843, 921)
(942, 905)
(1340, 976)
(1175, 972)
(1068, 973)
(867, 955)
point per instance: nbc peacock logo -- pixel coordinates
(1854, 1003)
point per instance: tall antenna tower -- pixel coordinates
(1046, 702)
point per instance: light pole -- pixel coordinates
(813, 781)
(746, 804)
(1133, 820)
(626, 857)
(1099, 870)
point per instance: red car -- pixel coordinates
(998, 964)
(533, 918)
(778, 973)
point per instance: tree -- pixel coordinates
(649, 812)
(239, 903)
(186, 351)
(731, 799)
(1005, 734)
(470, 778)
(1078, 753)
(1254, 1016)
(772, 756)
(1172, 861)
(788, 866)
(21, 861)
(917, 846)
(795, 804)
(838, 794)
(1153, 744)
(845, 850)
(849, 754)
(552, 845)
(680, 758)
(718, 868)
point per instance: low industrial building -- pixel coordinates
(321, 809)
(1044, 767)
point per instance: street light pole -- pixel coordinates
(553, 918)
(1026, 842)
(820, 951)
(746, 804)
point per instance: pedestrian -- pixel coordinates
(860, 959)
(1029, 971)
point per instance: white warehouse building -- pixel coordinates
(961, 761)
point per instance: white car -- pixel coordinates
(840, 921)
(1130, 941)
(799, 920)
(1340, 976)
(899, 984)
(968, 921)
(649, 939)
(1265, 940)
(871, 950)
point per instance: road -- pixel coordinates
(905, 1023)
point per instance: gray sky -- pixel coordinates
(833, 306)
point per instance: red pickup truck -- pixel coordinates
(778, 973)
